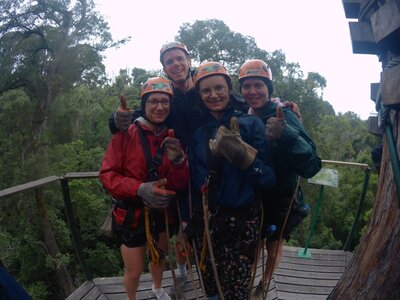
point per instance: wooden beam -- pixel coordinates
(351, 8)
(78, 175)
(390, 87)
(386, 20)
(374, 91)
(362, 38)
(373, 126)
(45, 181)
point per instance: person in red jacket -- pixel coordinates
(125, 175)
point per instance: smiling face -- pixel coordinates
(176, 65)
(214, 93)
(157, 107)
(255, 92)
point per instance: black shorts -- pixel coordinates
(136, 237)
(275, 214)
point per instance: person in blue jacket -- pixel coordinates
(10, 289)
(294, 154)
(229, 160)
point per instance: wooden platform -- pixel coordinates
(296, 278)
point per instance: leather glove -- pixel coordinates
(123, 115)
(172, 148)
(154, 195)
(274, 128)
(229, 145)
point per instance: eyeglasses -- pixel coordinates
(154, 103)
(218, 89)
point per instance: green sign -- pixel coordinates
(328, 177)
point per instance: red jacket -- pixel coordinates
(124, 166)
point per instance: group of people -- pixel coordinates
(191, 164)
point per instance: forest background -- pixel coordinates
(55, 101)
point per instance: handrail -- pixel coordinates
(362, 198)
(345, 163)
(28, 186)
(45, 181)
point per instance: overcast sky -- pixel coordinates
(313, 33)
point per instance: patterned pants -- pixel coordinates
(234, 242)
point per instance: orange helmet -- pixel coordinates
(172, 45)
(255, 68)
(156, 84)
(210, 68)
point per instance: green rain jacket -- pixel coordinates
(294, 154)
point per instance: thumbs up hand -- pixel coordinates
(172, 148)
(275, 125)
(229, 145)
(123, 115)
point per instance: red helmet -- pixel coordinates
(210, 68)
(255, 68)
(156, 84)
(172, 45)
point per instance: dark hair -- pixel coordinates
(267, 82)
(143, 102)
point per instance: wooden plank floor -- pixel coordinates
(296, 278)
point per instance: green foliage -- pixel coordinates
(14, 136)
(213, 40)
(38, 290)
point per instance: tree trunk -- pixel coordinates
(374, 272)
(62, 276)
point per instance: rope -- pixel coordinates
(202, 265)
(207, 231)
(155, 256)
(260, 247)
(169, 254)
(196, 257)
(187, 252)
(265, 292)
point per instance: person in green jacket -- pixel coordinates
(294, 155)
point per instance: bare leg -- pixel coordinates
(180, 255)
(274, 258)
(157, 271)
(133, 261)
(260, 249)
